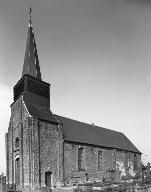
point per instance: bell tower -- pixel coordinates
(30, 114)
(31, 82)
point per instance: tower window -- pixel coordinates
(81, 166)
(17, 142)
(100, 160)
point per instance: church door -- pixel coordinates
(17, 171)
(48, 178)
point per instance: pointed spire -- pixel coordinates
(31, 61)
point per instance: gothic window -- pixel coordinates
(100, 160)
(81, 166)
(17, 142)
(135, 162)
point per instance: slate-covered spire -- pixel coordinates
(31, 62)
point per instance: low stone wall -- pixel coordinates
(98, 189)
(113, 188)
(104, 188)
(65, 189)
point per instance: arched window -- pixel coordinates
(17, 142)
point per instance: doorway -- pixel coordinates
(48, 178)
(17, 171)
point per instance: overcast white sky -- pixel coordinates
(95, 53)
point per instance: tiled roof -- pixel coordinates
(80, 132)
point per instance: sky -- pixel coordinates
(96, 54)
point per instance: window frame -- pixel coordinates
(135, 162)
(16, 143)
(100, 160)
(81, 159)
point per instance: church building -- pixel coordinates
(45, 150)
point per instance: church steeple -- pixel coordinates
(31, 85)
(31, 61)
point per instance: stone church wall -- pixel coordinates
(48, 151)
(115, 163)
(37, 151)
(41, 150)
(18, 114)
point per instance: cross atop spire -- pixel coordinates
(30, 10)
(31, 61)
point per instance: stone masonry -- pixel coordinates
(38, 150)
(116, 163)
(42, 148)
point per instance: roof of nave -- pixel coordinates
(80, 132)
